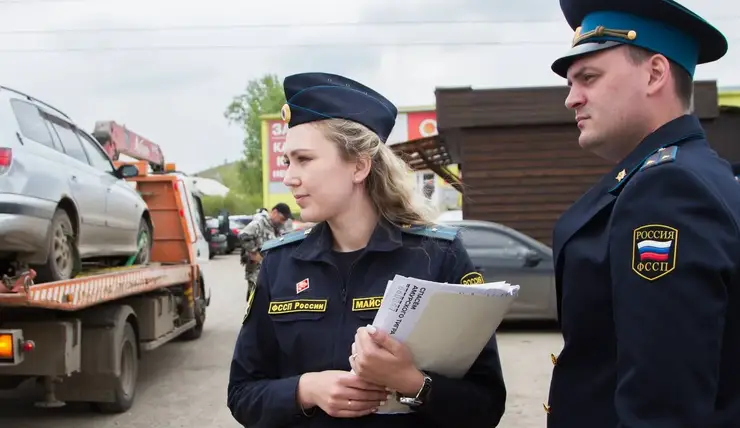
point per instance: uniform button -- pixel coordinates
(554, 359)
(546, 407)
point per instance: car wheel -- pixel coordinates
(62, 250)
(144, 242)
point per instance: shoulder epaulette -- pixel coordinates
(288, 238)
(664, 155)
(448, 233)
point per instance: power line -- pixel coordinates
(278, 46)
(293, 25)
(415, 44)
(272, 25)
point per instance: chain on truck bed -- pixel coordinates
(91, 288)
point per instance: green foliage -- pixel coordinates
(234, 203)
(261, 96)
(228, 174)
(244, 178)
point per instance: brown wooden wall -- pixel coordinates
(525, 177)
(723, 133)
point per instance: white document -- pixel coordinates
(446, 326)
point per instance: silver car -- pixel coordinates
(60, 195)
(501, 253)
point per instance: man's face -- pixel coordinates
(277, 218)
(607, 95)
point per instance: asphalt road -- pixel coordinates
(183, 384)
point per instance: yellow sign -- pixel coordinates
(366, 303)
(291, 306)
(472, 278)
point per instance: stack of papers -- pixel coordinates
(446, 326)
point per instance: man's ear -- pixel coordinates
(659, 69)
(362, 169)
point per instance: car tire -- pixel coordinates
(145, 232)
(60, 264)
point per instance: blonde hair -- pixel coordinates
(388, 184)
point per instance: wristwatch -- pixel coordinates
(421, 396)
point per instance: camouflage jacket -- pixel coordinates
(256, 233)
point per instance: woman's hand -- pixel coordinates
(340, 394)
(383, 360)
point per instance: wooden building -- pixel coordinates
(518, 151)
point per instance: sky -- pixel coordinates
(167, 69)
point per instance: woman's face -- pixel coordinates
(321, 182)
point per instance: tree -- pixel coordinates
(262, 96)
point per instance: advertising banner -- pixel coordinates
(422, 124)
(275, 140)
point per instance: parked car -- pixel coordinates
(236, 224)
(61, 198)
(216, 240)
(241, 220)
(501, 253)
(450, 215)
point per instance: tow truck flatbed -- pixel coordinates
(97, 288)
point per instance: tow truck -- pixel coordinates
(81, 339)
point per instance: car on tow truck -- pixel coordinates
(62, 201)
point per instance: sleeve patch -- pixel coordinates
(471, 278)
(654, 250)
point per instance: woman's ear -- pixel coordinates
(362, 169)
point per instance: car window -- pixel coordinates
(198, 212)
(71, 144)
(31, 123)
(212, 223)
(475, 237)
(98, 158)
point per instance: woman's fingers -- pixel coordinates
(365, 395)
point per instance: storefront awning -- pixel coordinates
(428, 154)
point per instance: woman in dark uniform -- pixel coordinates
(306, 355)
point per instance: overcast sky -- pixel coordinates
(172, 83)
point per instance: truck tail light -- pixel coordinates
(7, 348)
(6, 159)
(13, 347)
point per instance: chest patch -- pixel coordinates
(366, 303)
(292, 306)
(471, 278)
(654, 251)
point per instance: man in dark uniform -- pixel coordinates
(647, 260)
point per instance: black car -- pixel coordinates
(216, 241)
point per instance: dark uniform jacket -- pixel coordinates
(291, 329)
(648, 290)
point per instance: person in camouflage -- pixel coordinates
(260, 230)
